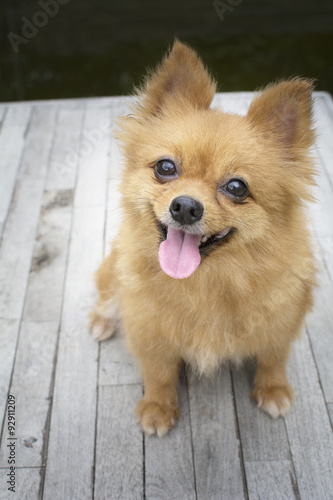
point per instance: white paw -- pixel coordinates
(276, 410)
(105, 320)
(102, 330)
(276, 401)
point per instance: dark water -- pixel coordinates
(96, 48)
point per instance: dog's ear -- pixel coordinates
(181, 78)
(284, 111)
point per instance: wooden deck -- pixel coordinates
(76, 433)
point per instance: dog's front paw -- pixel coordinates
(102, 328)
(104, 320)
(276, 400)
(155, 417)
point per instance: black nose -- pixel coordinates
(186, 210)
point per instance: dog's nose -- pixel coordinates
(186, 210)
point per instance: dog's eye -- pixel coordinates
(237, 188)
(165, 170)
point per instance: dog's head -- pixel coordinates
(207, 181)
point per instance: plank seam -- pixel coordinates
(293, 480)
(27, 128)
(3, 118)
(93, 479)
(47, 425)
(238, 436)
(318, 374)
(191, 437)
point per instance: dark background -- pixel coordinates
(103, 47)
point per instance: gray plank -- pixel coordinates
(320, 212)
(39, 138)
(12, 142)
(27, 484)
(119, 444)
(324, 125)
(169, 470)
(235, 102)
(319, 324)
(47, 273)
(8, 339)
(94, 157)
(31, 386)
(72, 432)
(19, 233)
(3, 110)
(24, 213)
(216, 447)
(262, 438)
(117, 364)
(273, 480)
(308, 427)
(114, 212)
(66, 148)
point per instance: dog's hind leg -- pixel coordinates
(105, 316)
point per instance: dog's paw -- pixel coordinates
(104, 320)
(102, 328)
(276, 401)
(156, 418)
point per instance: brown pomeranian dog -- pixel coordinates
(213, 259)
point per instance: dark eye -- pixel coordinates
(237, 188)
(165, 170)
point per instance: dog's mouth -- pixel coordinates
(180, 252)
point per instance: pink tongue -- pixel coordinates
(179, 254)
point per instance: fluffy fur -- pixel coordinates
(249, 295)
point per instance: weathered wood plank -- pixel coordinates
(216, 447)
(272, 480)
(47, 273)
(72, 432)
(319, 324)
(323, 113)
(321, 211)
(31, 386)
(23, 217)
(235, 102)
(94, 155)
(66, 148)
(39, 139)
(11, 146)
(3, 110)
(27, 484)
(8, 339)
(119, 444)
(308, 427)
(117, 365)
(262, 438)
(114, 213)
(19, 234)
(169, 473)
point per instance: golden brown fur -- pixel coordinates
(249, 296)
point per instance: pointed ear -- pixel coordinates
(181, 77)
(284, 111)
